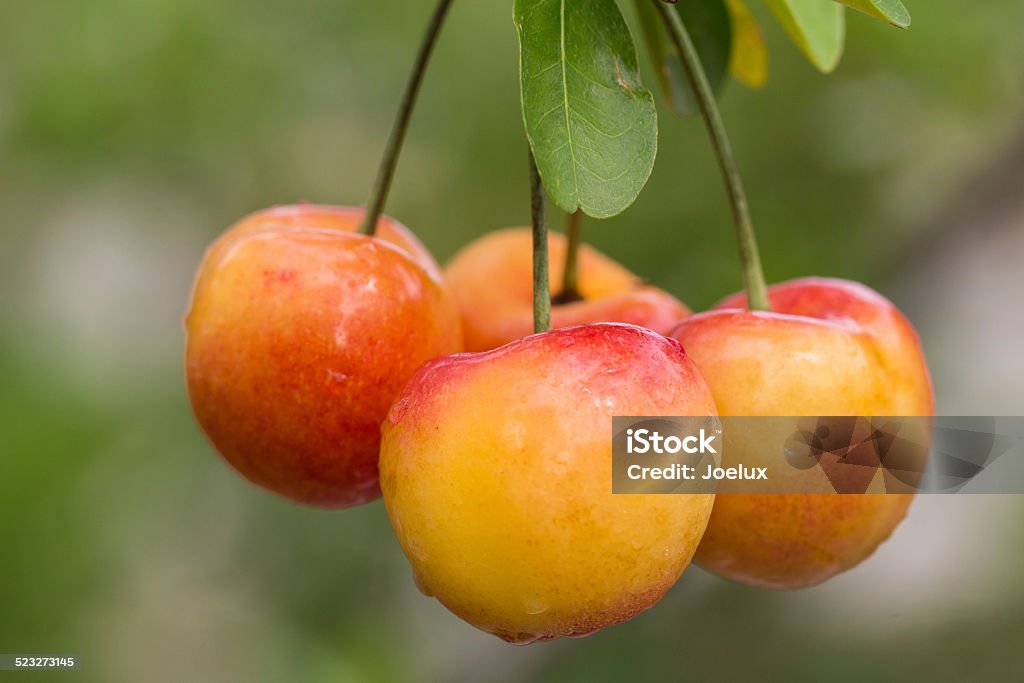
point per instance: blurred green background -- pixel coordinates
(132, 132)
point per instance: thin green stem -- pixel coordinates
(541, 272)
(388, 163)
(570, 274)
(750, 258)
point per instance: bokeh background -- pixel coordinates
(133, 131)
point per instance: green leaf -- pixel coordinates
(818, 27)
(590, 122)
(892, 11)
(710, 27)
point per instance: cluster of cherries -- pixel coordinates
(331, 367)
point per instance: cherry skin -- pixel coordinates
(829, 347)
(300, 334)
(492, 278)
(497, 475)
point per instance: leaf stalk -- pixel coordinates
(750, 257)
(541, 267)
(389, 161)
(571, 273)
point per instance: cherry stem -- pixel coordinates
(570, 274)
(388, 163)
(541, 273)
(750, 258)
